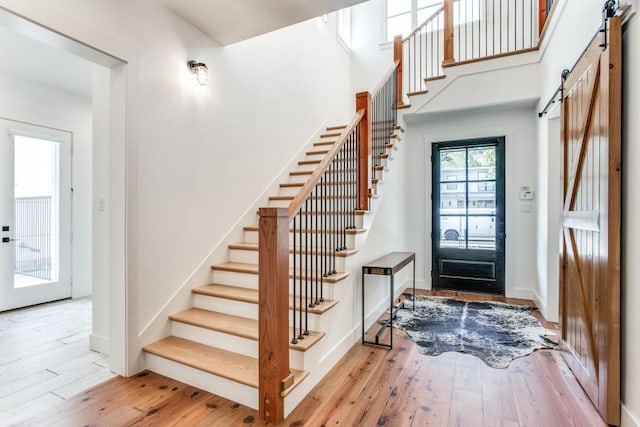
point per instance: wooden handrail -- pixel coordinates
(308, 187)
(426, 21)
(388, 74)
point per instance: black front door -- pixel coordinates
(468, 215)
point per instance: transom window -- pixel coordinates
(403, 16)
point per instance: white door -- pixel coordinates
(35, 214)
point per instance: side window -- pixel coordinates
(344, 28)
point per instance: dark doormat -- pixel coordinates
(494, 332)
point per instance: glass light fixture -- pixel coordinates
(200, 70)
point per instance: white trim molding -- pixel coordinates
(628, 419)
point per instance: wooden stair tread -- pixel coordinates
(321, 143)
(350, 231)
(294, 173)
(236, 325)
(221, 322)
(309, 162)
(418, 92)
(440, 77)
(384, 156)
(254, 247)
(403, 106)
(291, 184)
(233, 366)
(356, 212)
(330, 134)
(226, 364)
(316, 152)
(240, 267)
(237, 293)
(281, 197)
(339, 127)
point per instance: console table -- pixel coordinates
(388, 265)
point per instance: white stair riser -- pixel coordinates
(232, 278)
(216, 339)
(226, 306)
(248, 310)
(307, 167)
(251, 257)
(279, 203)
(240, 345)
(298, 178)
(288, 191)
(228, 389)
(250, 281)
(325, 190)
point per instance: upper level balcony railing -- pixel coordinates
(463, 31)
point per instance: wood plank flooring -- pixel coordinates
(369, 387)
(45, 358)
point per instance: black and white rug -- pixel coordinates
(494, 332)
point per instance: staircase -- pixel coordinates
(222, 344)
(214, 344)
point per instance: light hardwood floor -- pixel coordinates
(45, 358)
(369, 387)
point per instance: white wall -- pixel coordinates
(370, 59)
(43, 105)
(518, 125)
(548, 217)
(197, 157)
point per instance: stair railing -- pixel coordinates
(384, 118)
(463, 31)
(424, 52)
(318, 220)
(309, 234)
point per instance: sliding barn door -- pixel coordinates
(590, 259)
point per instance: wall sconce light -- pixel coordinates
(200, 70)
(325, 18)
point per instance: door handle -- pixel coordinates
(7, 240)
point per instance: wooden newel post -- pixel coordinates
(273, 316)
(448, 33)
(542, 15)
(363, 102)
(397, 58)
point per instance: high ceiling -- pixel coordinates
(231, 21)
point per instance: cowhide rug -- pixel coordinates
(494, 332)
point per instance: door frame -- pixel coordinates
(500, 194)
(109, 128)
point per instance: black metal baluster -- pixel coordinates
(334, 216)
(315, 232)
(299, 273)
(294, 340)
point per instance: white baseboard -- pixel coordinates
(628, 419)
(539, 303)
(99, 344)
